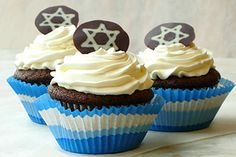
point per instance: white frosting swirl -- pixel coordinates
(176, 60)
(103, 72)
(48, 50)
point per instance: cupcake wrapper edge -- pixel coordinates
(109, 130)
(187, 110)
(27, 94)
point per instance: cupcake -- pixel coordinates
(34, 64)
(100, 102)
(185, 76)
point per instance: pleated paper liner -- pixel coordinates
(99, 131)
(27, 94)
(188, 110)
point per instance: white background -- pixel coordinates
(213, 20)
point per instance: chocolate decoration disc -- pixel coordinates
(92, 35)
(170, 33)
(54, 17)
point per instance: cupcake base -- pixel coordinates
(27, 94)
(37, 120)
(99, 131)
(37, 76)
(180, 128)
(174, 82)
(188, 110)
(32, 112)
(100, 145)
(75, 100)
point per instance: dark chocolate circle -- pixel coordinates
(170, 33)
(54, 17)
(92, 35)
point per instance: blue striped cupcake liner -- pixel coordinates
(27, 94)
(99, 131)
(188, 110)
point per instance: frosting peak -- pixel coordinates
(176, 60)
(103, 72)
(48, 50)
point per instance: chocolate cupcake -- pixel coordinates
(38, 60)
(101, 79)
(185, 76)
(180, 67)
(104, 96)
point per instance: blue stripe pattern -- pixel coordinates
(186, 120)
(193, 119)
(27, 89)
(24, 88)
(180, 128)
(173, 95)
(104, 144)
(60, 132)
(33, 112)
(103, 141)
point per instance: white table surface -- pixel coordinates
(19, 137)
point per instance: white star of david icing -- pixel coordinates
(91, 33)
(164, 30)
(59, 13)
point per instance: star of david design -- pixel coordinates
(59, 13)
(90, 42)
(164, 30)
